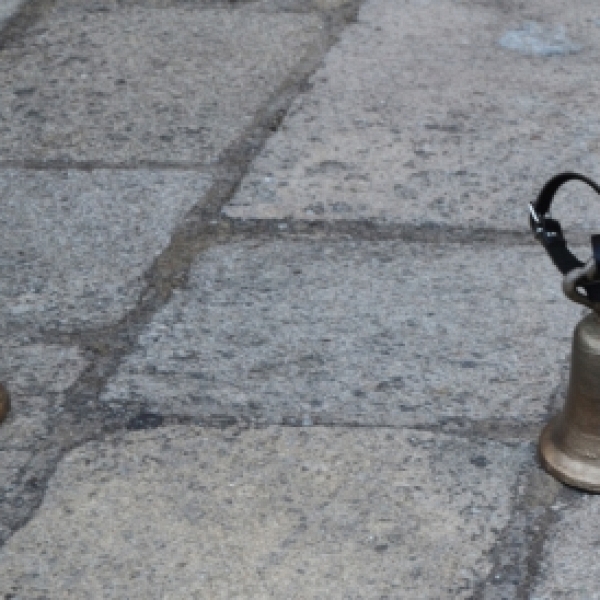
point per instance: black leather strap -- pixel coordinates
(548, 231)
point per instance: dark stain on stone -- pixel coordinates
(479, 461)
(468, 364)
(395, 383)
(145, 420)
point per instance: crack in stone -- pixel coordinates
(374, 230)
(517, 555)
(517, 558)
(493, 429)
(203, 229)
(79, 419)
(513, 556)
(568, 497)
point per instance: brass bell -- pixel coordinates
(570, 443)
(569, 446)
(4, 402)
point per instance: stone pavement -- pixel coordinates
(271, 318)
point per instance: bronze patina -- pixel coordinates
(570, 443)
(569, 446)
(4, 402)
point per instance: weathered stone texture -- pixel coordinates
(568, 566)
(120, 86)
(37, 375)
(421, 113)
(286, 513)
(75, 245)
(349, 332)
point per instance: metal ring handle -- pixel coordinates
(576, 278)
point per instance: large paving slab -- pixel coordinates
(446, 112)
(74, 245)
(37, 376)
(186, 512)
(385, 333)
(568, 566)
(120, 86)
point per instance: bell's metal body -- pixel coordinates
(570, 443)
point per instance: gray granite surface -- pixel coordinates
(38, 375)
(567, 569)
(270, 316)
(424, 111)
(75, 245)
(121, 86)
(354, 332)
(279, 513)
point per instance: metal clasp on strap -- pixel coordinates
(539, 224)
